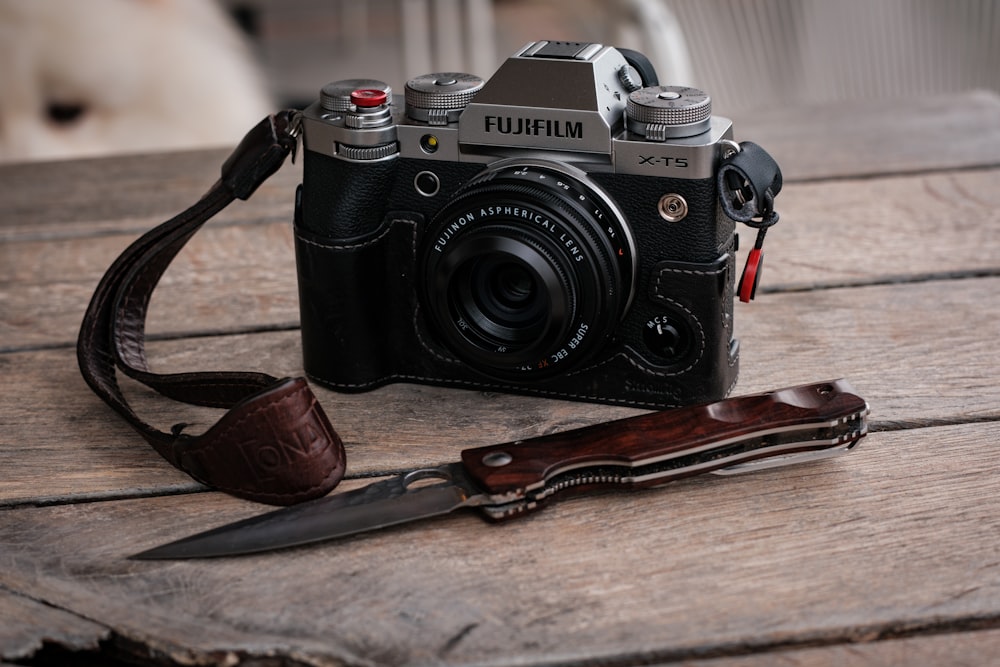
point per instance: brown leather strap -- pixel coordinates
(275, 444)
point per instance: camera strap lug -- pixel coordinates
(749, 179)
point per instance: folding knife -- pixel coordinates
(504, 481)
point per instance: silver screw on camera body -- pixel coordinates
(672, 208)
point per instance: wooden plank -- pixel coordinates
(128, 194)
(957, 649)
(28, 625)
(897, 535)
(849, 232)
(879, 136)
(921, 352)
(229, 277)
(884, 229)
(893, 540)
(64, 443)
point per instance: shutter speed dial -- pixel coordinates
(336, 96)
(439, 99)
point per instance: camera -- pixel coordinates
(553, 231)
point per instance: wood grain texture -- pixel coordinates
(885, 269)
(231, 277)
(956, 649)
(65, 443)
(866, 137)
(27, 625)
(237, 276)
(883, 229)
(128, 194)
(883, 539)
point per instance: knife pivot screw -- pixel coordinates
(497, 459)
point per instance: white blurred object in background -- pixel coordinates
(97, 77)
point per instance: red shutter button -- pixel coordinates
(367, 98)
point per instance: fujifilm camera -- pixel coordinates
(554, 231)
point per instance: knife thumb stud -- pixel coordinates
(497, 459)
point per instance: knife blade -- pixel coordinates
(504, 481)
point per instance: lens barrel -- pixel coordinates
(527, 271)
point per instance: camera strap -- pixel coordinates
(274, 444)
(749, 179)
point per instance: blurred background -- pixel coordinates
(103, 76)
(748, 54)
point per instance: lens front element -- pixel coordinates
(505, 297)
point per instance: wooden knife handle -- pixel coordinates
(655, 448)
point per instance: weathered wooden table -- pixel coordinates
(885, 269)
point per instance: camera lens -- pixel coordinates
(500, 292)
(527, 271)
(506, 292)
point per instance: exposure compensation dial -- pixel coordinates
(659, 113)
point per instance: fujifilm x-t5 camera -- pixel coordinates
(560, 230)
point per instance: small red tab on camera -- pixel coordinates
(751, 275)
